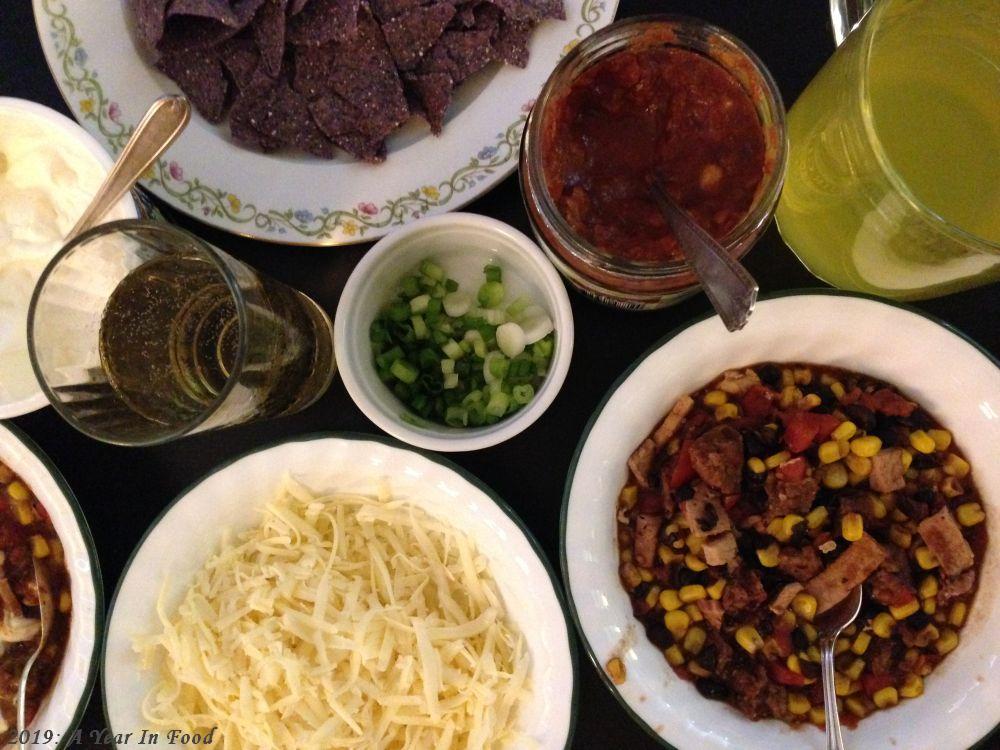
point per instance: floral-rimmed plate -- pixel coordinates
(290, 198)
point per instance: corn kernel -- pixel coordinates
(907, 458)
(804, 606)
(39, 547)
(677, 622)
(912, 687)
(756, 465)
(941, 438)
(669, 600)
(970, 514)
(646, 575)
(852, 526)
(788, 617)
(667, 555)
(861, 643)
(802, 375)
(841, 684)
(787, 377)
(65, 602)
(694, 640)
(692, 593)
(748, 637)
(18, 491)
(817, 517)
(926, 559)
(773, 462)
(726, 411)
(956, 466)
(905, 610)
(674, 655)
(792, 662)
(921, 441)
(856, 706)
(716, 589)
(694, 543)
(22, 509)
(768, 556)
(57, 550)
(817, 715)
(842, 645)
(788, 524)
(878, 508)
(629, 495)
(886, 697)
(835, 476)
(798, 704)
(673, 446)
(693, 562)
(829, 452)
(882, 624)
(616, 670)
(697, 670)
(928, 587)
(838, 389)
(947, 641)
(952, 487)
(855, 668)
(898, 515)
(814, 655)
(810, 631)
(651, 596)
(900, 536)
(957, 615)
(929, 606)
(810, 401)
(789, 396)
(866, 446)
(715, 398)
(694, 613)
(858, 465)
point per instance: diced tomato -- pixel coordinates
(888, 402)
(871, 683)
(793, 471)
(756, 402)
(783, 638)
(683, 470)
(803, 427)
(852, 396)
(649, 502)
(784, 676)
(729, 501)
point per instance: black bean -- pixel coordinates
(765, 627)
(753, 445)
(810, 670)
(919, 420)
(862, 416)
(712, 689)
(686, 492)
(684, 576)
(924, 495)
(709, 657)
(709, 519)
(925, 461)
(826, 396)
(800, 640)
(918, 620)
(657, 632)
(769, 375)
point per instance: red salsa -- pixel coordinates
(654, 110)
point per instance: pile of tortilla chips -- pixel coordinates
(321, 74)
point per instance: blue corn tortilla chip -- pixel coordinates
(531, 10)
(268, 113)
(314, 68)
(202, 24)
(345, 124)
(269, 35)
(241, 59)
(431, 92)
(459, 54)
(199, 75)
(295, 6)
(150, 16)
(323, 21)
(411, 34)
(510, 43)
(384, 10)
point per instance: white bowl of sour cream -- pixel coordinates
(50, 168)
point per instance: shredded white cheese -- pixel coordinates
(342, 621)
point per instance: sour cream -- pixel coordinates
(48, 174)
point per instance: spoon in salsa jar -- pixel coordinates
(729, 286)
(828, 625)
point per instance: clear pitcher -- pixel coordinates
(893, 183)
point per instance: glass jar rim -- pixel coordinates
(870, 29)
(759, 212)
(109, 228)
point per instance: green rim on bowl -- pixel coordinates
(391, 443)
(67, 737)
(982, 744)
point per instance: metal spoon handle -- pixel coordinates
(162, 123)
(834, 740)
(729, 286)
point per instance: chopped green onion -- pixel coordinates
(404, 371)
(452, 349)
(518, 306)
(431, 270)
(497, 405)
(447, 366)
(490, 294)
(450, 381)
(419, 328)
(451, 285)
(510, 339)
(456, 416)
(399, 312)
(457, 304)
(493, 273)
(522, 394)
(411, 287)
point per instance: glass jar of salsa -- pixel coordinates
(663, 96)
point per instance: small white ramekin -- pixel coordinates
(126, 209)
(464, 243)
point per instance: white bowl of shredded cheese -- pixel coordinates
(50, 168)
(338, 591)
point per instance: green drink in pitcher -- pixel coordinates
(893, 183)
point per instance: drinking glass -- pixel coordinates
(893, 183)
(140, 333)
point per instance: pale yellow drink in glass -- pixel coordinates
(893, 183)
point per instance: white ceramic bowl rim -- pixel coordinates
(595, 415)
(98, 583)
(466, 439)
(391, 443)
(76, 131)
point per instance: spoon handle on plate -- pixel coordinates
(834, 740)
(162, 123)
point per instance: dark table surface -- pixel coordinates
(122, 490)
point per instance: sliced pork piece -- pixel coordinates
(744, 592)
(853, 567)
(737, 383)
(887, 470)
(704, 513)
(952, 588)
(789, 497)
(717, 457)
(784, 598)
(720, 549)
(647, 531)
(943, 536)
(800, 563)
(641, 461)
(712, 610)
(891, 589)
(672, 421)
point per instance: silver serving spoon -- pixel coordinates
(159, 127)
(828, 626)
(729, 287)
(45, 605)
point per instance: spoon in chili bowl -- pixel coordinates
(829, 625)
(45, 614)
